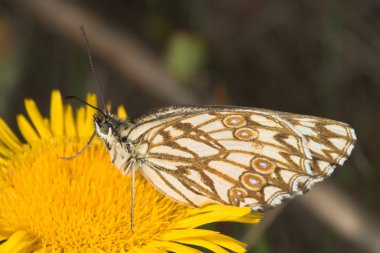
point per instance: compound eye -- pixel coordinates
(104, 129)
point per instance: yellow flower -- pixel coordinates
(52, 205)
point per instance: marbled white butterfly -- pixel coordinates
(198, 155)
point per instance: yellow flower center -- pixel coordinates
(83, 202)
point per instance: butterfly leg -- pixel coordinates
(133, 195)
(127, 169)
(131, 168)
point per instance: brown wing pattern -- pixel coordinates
(242, 157)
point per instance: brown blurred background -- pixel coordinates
(315, 57)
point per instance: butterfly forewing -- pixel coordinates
(238, 156)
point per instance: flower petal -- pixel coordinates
(37, 120)
(121, 112)
(175, 247)
(5, 231)
(3, 170)
(5, 151)
(227, 242)
(41, 250)
(203, 243)
(70, 130)
(81, 130)
(89, 121)
(56, 113)
(183, 233)
(225, 213)
(213, 208)
(246, 220)
(19, 242)
(8, 137)
(48, 249)
(27, 129)
(144, 249)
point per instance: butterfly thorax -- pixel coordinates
(114, 133)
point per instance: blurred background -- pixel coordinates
(314, 57)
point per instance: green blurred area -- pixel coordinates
(9, 61)
(185, 56)
(316, 57)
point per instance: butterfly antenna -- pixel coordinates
(93, 68)
(82, 150)
(84, 102)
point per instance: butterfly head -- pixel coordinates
(108, 126)
(104, 124)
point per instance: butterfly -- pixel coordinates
(200, 155)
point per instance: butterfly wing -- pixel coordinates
(238, 156)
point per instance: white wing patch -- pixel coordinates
(221, 185)
(172, 151)
(234, 145)
(306, 130)
(268, 136)
(173, 132)
(213, 126)
(200, 148)
(292, 141)
(167, 164)
(270, 192)
(264, 120)
(241, 158)
(158, 139)
(337, 129)
(229, 169)
(158, 181)
(199, 119)
(226, 134)
(317, 147)
(338, 142)
(274, 153)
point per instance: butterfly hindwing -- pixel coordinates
(237, 156)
